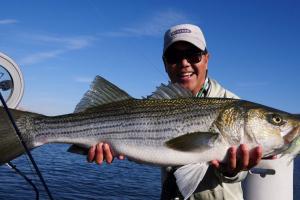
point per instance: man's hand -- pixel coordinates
(239, 159)
(101, 152)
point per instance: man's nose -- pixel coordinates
(183, 62)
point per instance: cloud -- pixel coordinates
(8, 21)
(38, 57)
(57, 45)
(155, 25)
(71, 43)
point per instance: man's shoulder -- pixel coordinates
(216, 90)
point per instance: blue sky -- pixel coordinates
(61, 45)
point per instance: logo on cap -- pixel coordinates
(183, 30)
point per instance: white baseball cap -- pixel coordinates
(185, 32)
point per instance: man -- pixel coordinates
(186, 61)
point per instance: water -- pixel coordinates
(69, 176)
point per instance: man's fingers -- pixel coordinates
(232, 158)
(99, 153)
(91, 154)
(243, 157)
(108, 154)
(228, 168)
(255, 156)
(215, 164)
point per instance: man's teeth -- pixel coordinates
(187, 74)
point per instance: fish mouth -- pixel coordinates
(290, 136)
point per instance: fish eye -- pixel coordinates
(276, 119)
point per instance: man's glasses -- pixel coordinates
(174, 57)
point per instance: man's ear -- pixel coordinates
(207, 56)
(206, 59)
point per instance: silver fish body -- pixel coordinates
(166, 132)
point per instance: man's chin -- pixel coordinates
(187, 86)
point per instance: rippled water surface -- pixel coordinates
(69, 176)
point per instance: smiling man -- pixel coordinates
(186, 59)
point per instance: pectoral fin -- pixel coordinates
(197, 141)
(188, 178)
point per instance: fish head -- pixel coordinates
(275, 130)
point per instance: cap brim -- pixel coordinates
(197, 43)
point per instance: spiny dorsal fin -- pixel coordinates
(170, 91)
(101, 92)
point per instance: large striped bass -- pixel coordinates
(159, 130)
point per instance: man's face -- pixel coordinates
(186, 66)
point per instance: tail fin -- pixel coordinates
(10, 145)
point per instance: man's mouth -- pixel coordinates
(186, 75)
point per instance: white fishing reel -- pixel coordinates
(11, 81)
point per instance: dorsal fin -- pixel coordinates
(170, 91)
(101, 92)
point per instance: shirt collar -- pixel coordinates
(203, 91)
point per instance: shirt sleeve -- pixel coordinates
(216, 90)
